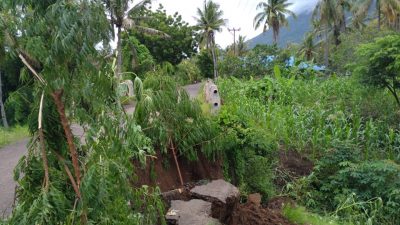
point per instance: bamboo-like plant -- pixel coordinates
(64, 181)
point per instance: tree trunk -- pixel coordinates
(326, 52)
(214, 61)
(275, 36)
(119, 55)
(336, 34)
(343, 24)
(379, 14)
(57, 96)
(3, 112)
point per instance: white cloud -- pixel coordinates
(239, 13)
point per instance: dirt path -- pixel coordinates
(9, 157)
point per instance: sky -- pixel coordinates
(239, 13)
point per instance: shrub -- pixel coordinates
(187, 72)
(136, 56)
(343, 183)
(378, 64)
(205, 64)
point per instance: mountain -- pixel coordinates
(294, 33)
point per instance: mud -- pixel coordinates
(162, 171)
(251, 214)
(292, 165)
(295, 163)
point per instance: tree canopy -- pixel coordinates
(180, 44)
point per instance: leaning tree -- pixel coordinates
(67, 181)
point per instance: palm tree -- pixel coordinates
(123, 16)
(392, 13)
(241, 46)
(325, 14)
(307, 49)
(382, 6)
(210, 21)
(274, 15)
(342, 6)
(2, 56)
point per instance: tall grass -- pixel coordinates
(310, 116)
(299, 215)
(8, 136)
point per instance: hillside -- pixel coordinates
(292, 34)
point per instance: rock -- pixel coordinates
(223, 196)
(254, 199)
(193, 212)
(217, 189)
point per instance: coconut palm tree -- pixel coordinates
(241, 46)
(342, 6)
(122, 16)
(307, 49)
(325, 14)
(209, 21)
(385, 7)
(2, 56)
(273, 15)
(392, 16)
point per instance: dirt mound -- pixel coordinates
(295, 163)
(277, 203)
(162, 171)
(292, 165)
(251, 214)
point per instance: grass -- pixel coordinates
(299, 215)
(11, 135)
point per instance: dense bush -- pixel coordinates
(357, 190)
(136, 56)
(205, 64)
(180, 43)
(349, 43)
(378, 64)
(187, 72)
(259, 61)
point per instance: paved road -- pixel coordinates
(193, 90)
(10, 155)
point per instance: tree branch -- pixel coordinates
(31, 69)
(71, 178)
(42, 145)
(57, 95)
(176, 160)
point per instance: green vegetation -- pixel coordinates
(179, 45)
(299, 215)
(11, 135)
(379, 64)
(327, 137)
